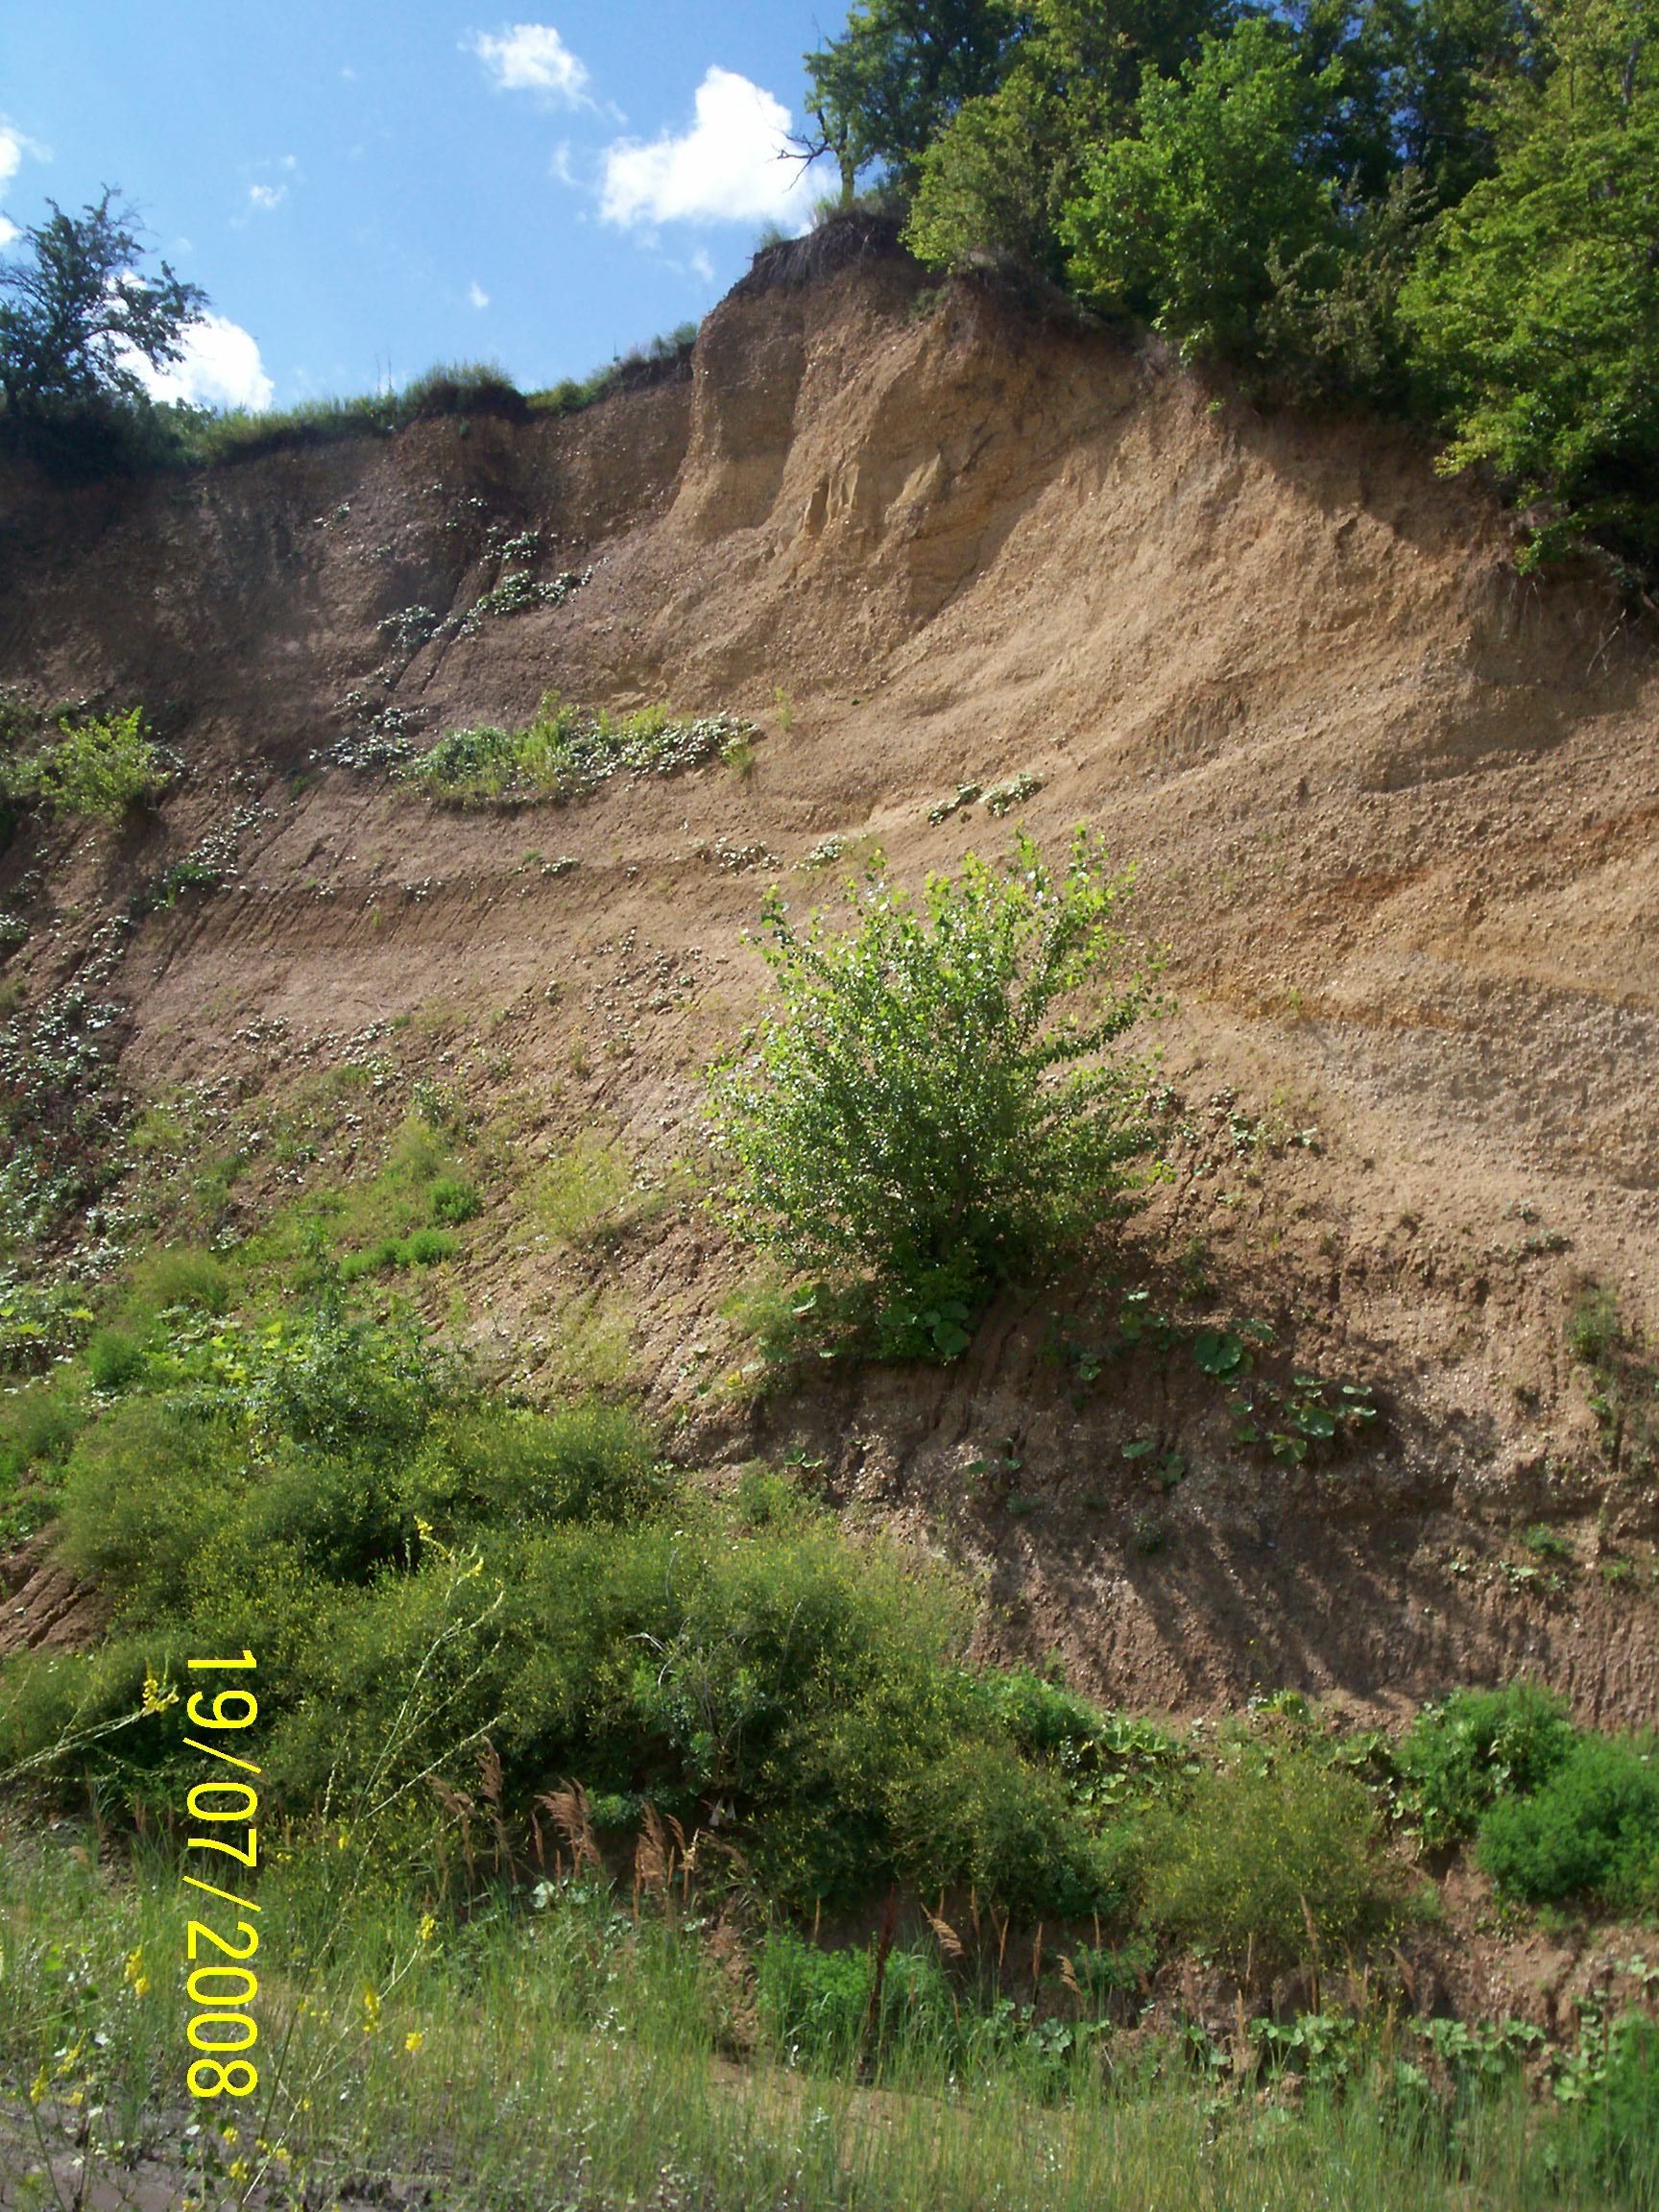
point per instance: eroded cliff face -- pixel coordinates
(1396, 811)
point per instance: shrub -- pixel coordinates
(589, 1461)
(103, 766)
(115, 1359)
(454, 1201)
(438, 1572)
(1460, 1757)
(1184, 221)
(919, 1109)
(1261, 1870)
(1590, 1830)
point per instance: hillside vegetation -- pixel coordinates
(1069, 1620)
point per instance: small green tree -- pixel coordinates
(76, 312)
(920, 1109)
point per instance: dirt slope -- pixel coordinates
(1397, 815)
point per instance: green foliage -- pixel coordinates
(114, 1358)
(39, 1425)
(825, 2009)
(565, 751)
(1535, 305)
(455, 1201)
(180, 1275)
(1184, 224)
(1460, 1756)
(998, 175)
(920, 1109)
(1625, 1378)
(881, 91)
(1608, 2134)
(1262, 1868)
(1590, 1830)
(75, 310)
(417, 1566)
(994, 181)
(103, 766)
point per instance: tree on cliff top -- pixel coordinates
(76, 313)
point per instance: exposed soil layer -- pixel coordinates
(1396, 811)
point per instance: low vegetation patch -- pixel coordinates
(566, 752)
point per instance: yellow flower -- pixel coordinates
(428, 1928)
(238, 2169)
(39, 2087)
(157, 1695)
(414, 2039)
(134, 1965)
(228, 2137)
(371, 2008)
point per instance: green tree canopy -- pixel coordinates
(883, 89)
(75, 312)
(1185, 225)
(1536, 304)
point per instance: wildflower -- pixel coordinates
(228, 2137)
(132, 1972)
(157, 1695)
(240, 2170)
(413, 2041)
(39, 2087)
(371, 2008)
(428, 1928)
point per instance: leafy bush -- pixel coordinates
(919, 1109)
(104, 766)
(1590, 1830)
(417, 1567)
(114, 1358)
(454, 1201)
(1460, 1756)
(1262, 1868)
(589, 1461)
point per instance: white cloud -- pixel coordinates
(266, 195)
(727, 168)
(221, 367)
(476, 293)
(533, 58)
(13, 146)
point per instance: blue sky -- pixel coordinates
(365, 188)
